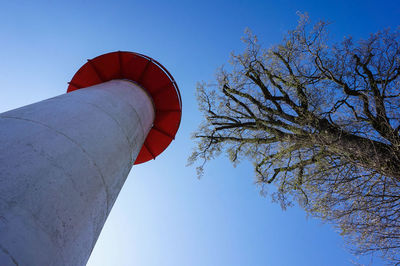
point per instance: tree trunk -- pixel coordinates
(367, 153)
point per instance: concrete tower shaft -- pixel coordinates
(63, 162)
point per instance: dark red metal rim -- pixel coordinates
(152, 76)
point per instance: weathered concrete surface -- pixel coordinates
(63, 162)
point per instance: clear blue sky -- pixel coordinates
(164, 216)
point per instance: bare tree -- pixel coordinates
(319, 120)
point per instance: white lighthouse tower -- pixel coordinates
(64, 160)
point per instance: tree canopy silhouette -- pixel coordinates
(320, 121)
